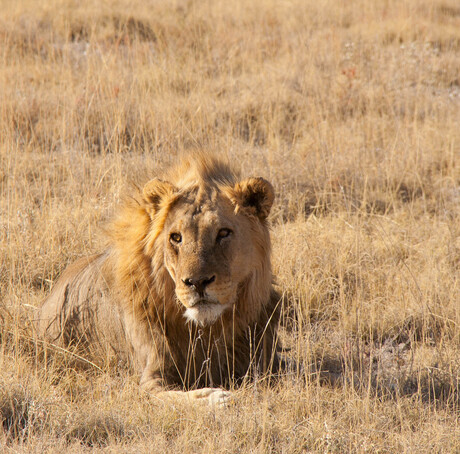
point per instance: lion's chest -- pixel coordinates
(206, 359)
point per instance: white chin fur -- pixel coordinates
(204, 314)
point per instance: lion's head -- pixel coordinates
(211, 229)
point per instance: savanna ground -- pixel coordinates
(351, 109)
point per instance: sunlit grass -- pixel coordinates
(349, 108)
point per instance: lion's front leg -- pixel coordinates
(214, 396)
(159, 370)
(152, 383)
(211, 396)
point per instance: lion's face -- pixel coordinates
(205, 246)
(210, 242)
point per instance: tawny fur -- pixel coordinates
(127, 304)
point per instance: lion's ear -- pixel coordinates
(257, 195)
(157, 193)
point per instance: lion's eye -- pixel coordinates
(223, 233)
(175, 238)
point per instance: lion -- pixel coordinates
(184, 290)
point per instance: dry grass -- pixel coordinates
(351, 109)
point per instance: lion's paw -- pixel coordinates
(214, 396)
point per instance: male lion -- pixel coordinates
(184, 290)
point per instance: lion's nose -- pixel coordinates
(199, 284)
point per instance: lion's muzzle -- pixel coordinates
(203, 306)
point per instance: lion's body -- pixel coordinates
(191, 313)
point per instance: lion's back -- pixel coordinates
(81, 314)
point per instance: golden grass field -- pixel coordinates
(350, 109)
